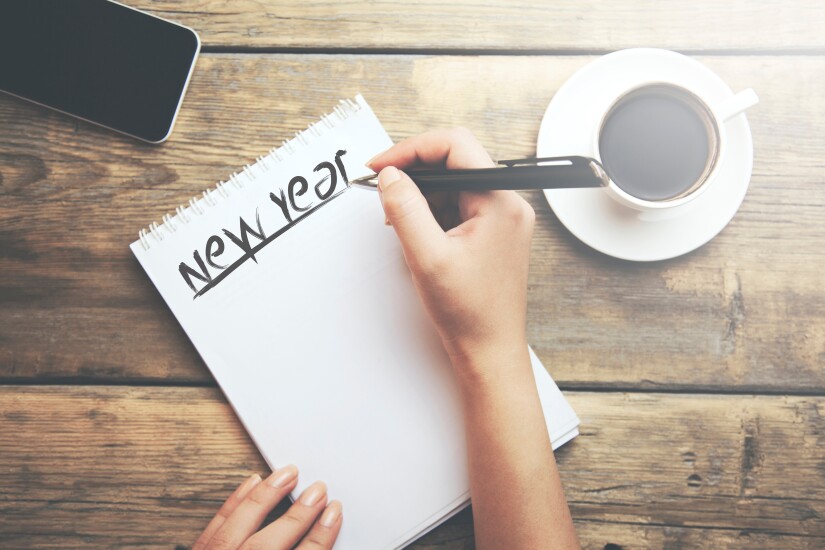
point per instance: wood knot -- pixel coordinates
(20, 170)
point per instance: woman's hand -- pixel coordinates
(236, 524)
(468, 251)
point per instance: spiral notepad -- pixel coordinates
(298, 299)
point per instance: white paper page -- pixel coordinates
(321, 345)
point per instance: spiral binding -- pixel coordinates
(210, 198)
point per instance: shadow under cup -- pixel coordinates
(659, 142)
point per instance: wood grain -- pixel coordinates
(101, 467)
(136, 466)
(494, 25)
(743, 312)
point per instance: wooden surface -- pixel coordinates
(699, 380)
(500, 25)
(154, 462)
(745, 311)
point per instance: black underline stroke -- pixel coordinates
(237, 263)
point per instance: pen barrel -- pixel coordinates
(576, 175)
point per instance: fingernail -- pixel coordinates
(331, 514)
(387, 177)
(282, 477)
(313, 494)
(368, 164)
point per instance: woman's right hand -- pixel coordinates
(471, 268)
(468, 253)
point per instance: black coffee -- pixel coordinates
(655, 145)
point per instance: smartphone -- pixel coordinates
(97, 60)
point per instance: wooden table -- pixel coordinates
(699, 381)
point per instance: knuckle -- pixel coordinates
(520, 212)
(461, 133)
(316, 540)
(253, 543)
(221, 541)
(258, 498)
(399, 203)
(296, 519)
(529, 214)
(224, 511)
(433, 264)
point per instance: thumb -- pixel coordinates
(421, 237)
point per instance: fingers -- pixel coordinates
(248, 515)
(287, 530)
(226, 509)
(407, 210)
(453, 147)
(325, 530)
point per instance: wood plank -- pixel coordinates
(496, 25)
(124, 467)
(743, 312)
(595, 535)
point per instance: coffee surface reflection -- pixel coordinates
(658, 143)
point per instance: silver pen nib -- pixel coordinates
(369, 181)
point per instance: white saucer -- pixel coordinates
(569, 126)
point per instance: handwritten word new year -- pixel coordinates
(294, 204)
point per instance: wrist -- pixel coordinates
(491, 366)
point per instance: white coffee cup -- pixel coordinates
(713, 114)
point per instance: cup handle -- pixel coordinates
(736, 104)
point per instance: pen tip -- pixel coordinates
(370, 181)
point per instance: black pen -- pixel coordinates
(530, 173)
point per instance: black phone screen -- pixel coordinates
(97, 60)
